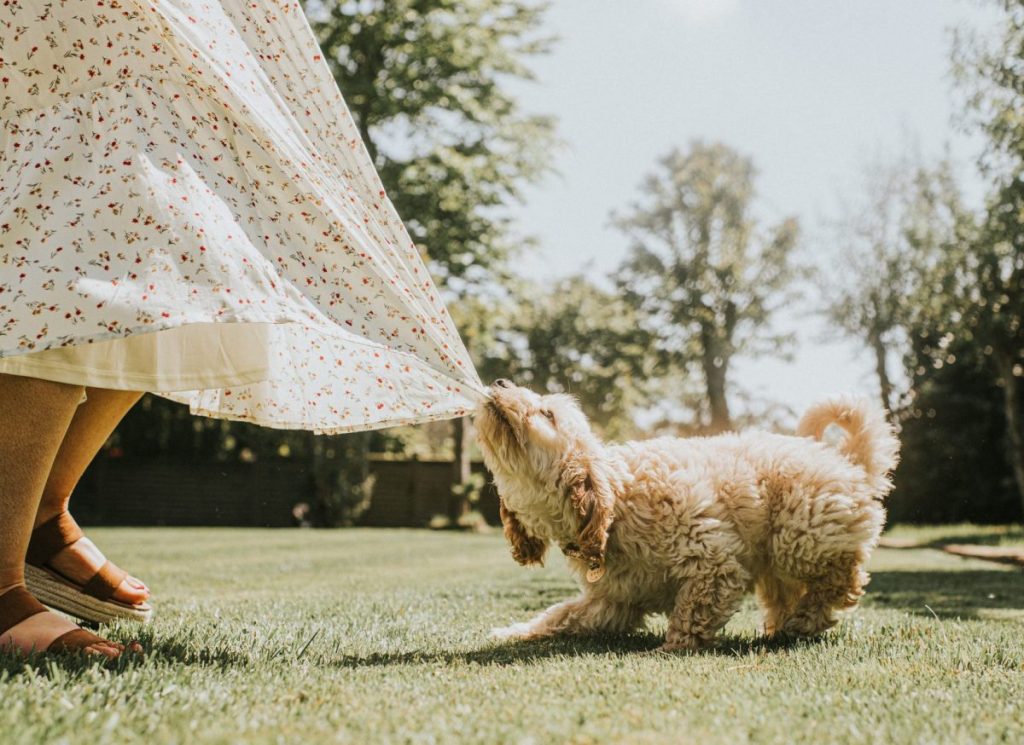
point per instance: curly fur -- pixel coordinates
(689, 526)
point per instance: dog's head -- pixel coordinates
(547, 462)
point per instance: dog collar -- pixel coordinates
(595, 567)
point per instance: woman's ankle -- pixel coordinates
(11, 579)
(51, 505)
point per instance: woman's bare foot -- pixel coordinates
(37, 632)
(82, 559)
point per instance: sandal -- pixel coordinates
(19, 605)
(92, 601)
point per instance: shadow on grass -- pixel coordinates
(983, 539)
(1010, 538)
(950, 594)
(66, 667)
(168, 649)
(69, 669)
(502, 654)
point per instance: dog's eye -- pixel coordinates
(549, 414)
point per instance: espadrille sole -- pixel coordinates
(58, 593)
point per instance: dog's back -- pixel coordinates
(794, 502)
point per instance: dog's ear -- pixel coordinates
(591, 496)
(526, 549)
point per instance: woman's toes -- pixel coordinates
(107, 649)
(82, 559)
(38, 632)
(113, 650)
(132, 592)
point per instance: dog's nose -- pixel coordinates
(503, 383)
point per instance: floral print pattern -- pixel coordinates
(170, 162)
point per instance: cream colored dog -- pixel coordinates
(688, 526)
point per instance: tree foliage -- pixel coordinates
(953, 435)
(988, 277)
(951, 281)
(565, 336)
(427, 83)
(581, 339)
(894, 242)
(702, 275)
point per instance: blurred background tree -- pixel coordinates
(703, 278)
(427, 84)
(586, 341)
(988, 276)
(891, 239)
(954, 464)
(949, 281)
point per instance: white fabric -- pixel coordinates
(184, 359)
(184, 163)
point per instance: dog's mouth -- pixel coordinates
(510, 433)
(500, 415)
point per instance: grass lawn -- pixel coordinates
(367, 636)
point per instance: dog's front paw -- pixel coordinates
(515, 631)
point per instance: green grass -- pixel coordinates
(367, 636)
(988, 535)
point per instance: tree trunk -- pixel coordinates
(364, 130)
(1014, 422)
(458, 504)
(715, 366)
(882, 370)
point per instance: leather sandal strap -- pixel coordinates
(75, 640)
(105, 582)
(16, 605)
(52, 537)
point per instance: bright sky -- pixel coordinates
(811, 89)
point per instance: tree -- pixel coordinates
(989, 275)
(340, 479)
(701, 275)
(577, 338)
(890, 240)
(953, 466)
(566, 336)
(426, 83)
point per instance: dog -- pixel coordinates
(688, 526)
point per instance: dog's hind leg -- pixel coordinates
(837, 590)
(585, 614)
(777, 598)
(706, 600)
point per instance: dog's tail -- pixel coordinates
(870, 441)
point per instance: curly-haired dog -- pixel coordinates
(688, 526)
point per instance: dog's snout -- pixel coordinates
(503, 383)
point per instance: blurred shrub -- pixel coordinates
(954, 466)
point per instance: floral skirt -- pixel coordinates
(186, 207)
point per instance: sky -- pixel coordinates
(810, 89)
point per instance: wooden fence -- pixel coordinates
(124, 491)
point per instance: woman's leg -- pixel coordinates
(90, 427)
(34, 414)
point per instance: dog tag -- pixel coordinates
(595, 573)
